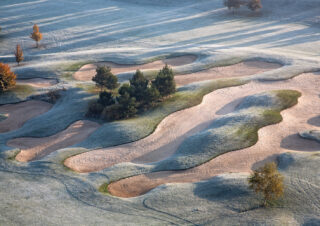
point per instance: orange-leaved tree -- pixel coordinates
(268, 181)
(19, 54)
(7, 77)
(36, 35)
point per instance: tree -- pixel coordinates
(233, 4)
(139, 86)
(105, 79)
(106, 99)
(7, 77)
(254, 5)
(152, 95)
(164, 81)
(128, 105)
(36, 35)
(19, 54)
(268, 181)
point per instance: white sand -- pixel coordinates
(35, 148)
(19, 113)
(86, 72)
(273, 139)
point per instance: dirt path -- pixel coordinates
(18, 114)
(157, 146)
(36, 148)
(37, 82)
(273, 140)
(88, 71)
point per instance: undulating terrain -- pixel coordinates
(248, 92)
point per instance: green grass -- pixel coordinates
(104, 189)
(18, 93)
(288, 98)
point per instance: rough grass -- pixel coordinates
(16, 94)
(104, 189)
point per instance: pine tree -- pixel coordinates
(18, 54)
(106, 99)
(139, 86)
(164, 81)
(105, 79)
(267, 181)
(7, 77)
(36, 35)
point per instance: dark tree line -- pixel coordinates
(139, 95)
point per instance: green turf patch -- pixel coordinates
(104, 189)
(16, 94)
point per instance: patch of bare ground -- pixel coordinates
(185, 123)
(86, 72)
(273, 139)
(18, 114)
(237, 70)
(36, 148)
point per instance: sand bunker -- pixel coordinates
(237, 70)
(37, 82)
(88, 71)
(35, 148)
(18, 114)
(273, 140)
(157, 146)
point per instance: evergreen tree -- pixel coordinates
(106, 99)
(18, 54)
(139, 86)
(7, 77)
(36, 35)
(105, 79)
(267, 181)
(164, 81)
(152, 95)
(128, 105)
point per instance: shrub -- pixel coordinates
(36, 35)
(112, 112)
(94, 110)
(267, 181)
(53, 96)
(106, 99)
(164, 81)
(105, 79)
(7, 77)
(233, 4)
(18, 54)
(128, 105)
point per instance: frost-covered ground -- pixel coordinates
(77, 32)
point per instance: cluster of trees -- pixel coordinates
(268, 182)
(131, 98)
(235, 4)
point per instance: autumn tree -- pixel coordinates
(19, 54)
(7, 77)
(254, 5)
(267, 181)
(105, 79)
(36, 35)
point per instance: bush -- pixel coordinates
(139, 86)
(106, 99)
(164, 82)
(53, 96)
(94, 110)
(267, 181)
(7, 77)
(105, 79)
(112, 112)
(128, 105)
